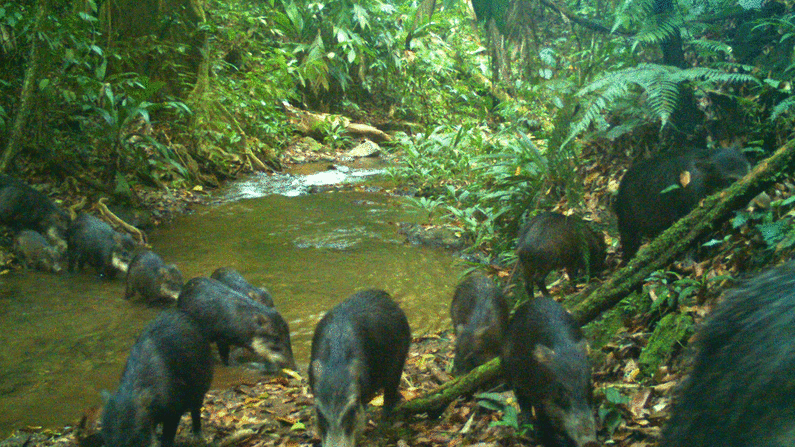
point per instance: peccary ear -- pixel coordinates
(543, 354)
(142, 401)
(482, 334)
(355, 369)
(106, 395)
(145, 399)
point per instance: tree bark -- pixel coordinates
(659, 253)
(28, 93)
(671, 46)
(583, 22)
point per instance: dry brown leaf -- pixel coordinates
(638, 402)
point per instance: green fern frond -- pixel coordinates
(630, 11)
(660, 83)
(662, 98)
(659, 28)
(711, 76)
(702, 46)
(785, 106)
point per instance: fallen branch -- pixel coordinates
(313, 123)
(437, 400)
(114, 219)
(583, 22)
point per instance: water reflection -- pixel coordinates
(65, 337)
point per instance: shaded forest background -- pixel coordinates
(492, 104)
(495, 109)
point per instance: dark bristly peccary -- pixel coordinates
(741, 389)
(34, 251)
(152, 279)
(169, 370)
(231, 318)
(235, 280)
(94, 242)
(25, 208)
(551, 241)
(479, 312)
(359, 347)
(545, 362)
(657, 192)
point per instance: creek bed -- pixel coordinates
(66, 337)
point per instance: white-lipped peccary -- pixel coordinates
(153, 280)
(479, 313)
(359, 347)
(94, 242)
(545, 362)
(231, 318)
(235, 280)
(655, 193)
(551, 241)
(740, 391)
(25, 208)
(34, 251)
(169, 370)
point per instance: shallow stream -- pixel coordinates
(65, 338)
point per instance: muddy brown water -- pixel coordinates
(65, 338)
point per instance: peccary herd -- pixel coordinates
(360, 346)
(652, 196)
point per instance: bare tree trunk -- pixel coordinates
(28, 93)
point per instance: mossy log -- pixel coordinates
(658, 254)
(437, 400)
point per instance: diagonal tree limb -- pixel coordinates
(664, 249)
(658, 254)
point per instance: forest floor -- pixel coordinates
(278, 411)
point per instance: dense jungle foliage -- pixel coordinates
(494, 105)
(496, 109)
